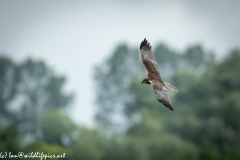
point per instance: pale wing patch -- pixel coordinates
(156, 66)
(150, 57)
(163, 94)
(147, 54)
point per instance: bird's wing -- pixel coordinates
(148, 58)
(161, 93)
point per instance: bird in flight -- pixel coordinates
(153, 75)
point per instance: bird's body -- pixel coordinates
(153, 75)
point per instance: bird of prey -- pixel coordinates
(153, 75)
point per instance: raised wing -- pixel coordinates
(148, 57)
(161, 94)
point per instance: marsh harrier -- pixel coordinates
(153, 75)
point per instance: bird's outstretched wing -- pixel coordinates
(148, 58)
(161, 94)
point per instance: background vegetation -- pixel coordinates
(131, 123)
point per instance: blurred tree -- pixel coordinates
(205, 125)
(194, 73)
(9, 139)
(196, 59)
(213, 98)
(27, 90)
(55, 127)
(220, 114)
(8, 88)
(89, 144)
(167, 59)
(112, 81)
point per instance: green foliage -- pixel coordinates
(204, 126)
(57, 128)
(90, 145)
(9, 140)
(8, 87)
(206, 120)
(112, 81)
(27, 90)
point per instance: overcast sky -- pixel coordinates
(74, 36)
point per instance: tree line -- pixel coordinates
(131, 123)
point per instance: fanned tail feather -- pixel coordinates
(170, 86)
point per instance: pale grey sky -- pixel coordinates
(73, 36)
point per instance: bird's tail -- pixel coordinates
(170, 86)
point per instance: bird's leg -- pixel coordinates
(170, 86)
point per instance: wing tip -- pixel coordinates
(169, 106)
(145, 44)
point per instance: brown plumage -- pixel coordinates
(153, 75)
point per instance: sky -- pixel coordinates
(74, 36)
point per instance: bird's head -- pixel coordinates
(145, 81)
